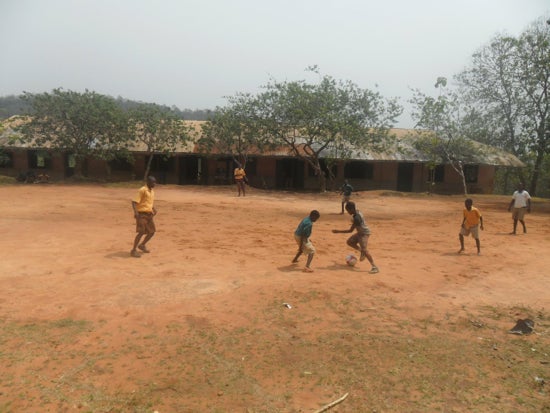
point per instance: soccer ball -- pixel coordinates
(351, 260)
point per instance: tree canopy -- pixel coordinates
(81, 124)
(508, 82)
(158, 129)
(308, 119)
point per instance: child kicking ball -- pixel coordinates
(360, 239)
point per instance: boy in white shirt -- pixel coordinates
(521, 201)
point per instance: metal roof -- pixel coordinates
(399, 146)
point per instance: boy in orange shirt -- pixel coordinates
(470, 224)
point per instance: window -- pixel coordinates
(39, 160)
(6, 159)
(358, 170)
(71, 160)
(470, 173)
(439, 173)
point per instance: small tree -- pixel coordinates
(158, 129)
(442, 129)
(231, 130)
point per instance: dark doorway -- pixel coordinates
(192, 170)
(405, 173)
(289, 174)
(161, 166)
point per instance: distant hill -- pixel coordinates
(14, 105)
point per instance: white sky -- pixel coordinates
(193, 53)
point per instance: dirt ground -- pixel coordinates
(200, 325)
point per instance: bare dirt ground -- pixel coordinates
(199, 325)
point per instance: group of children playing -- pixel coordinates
(472, 222)
(357, 241)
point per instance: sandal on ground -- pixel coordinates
(135, 254)
(374, 270)
(307, 269)
(144, 249)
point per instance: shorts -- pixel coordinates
(519, 213)
(145, 223)
(472, 230)
(306, 247)
(345, 198)
(361, 239)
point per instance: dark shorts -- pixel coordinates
(145, 223)
(361, 239)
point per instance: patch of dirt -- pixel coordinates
(199, 323)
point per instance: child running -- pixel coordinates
(301, 235)
(472, 219)
(360, 239)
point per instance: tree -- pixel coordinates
(442, 129)
(231, 130)
(331, 117)
(83, 124)
(158, 129)
(534, 69)
(509, 83)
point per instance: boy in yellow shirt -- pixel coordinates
(470, 224)
(240, 179)
(144, 211)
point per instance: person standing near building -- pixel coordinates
(471, 222)
(301, 235)
(345, 191)
(144, 211)
(521, 202)
(240, 179)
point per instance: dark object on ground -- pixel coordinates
(523, 327)
(27, 177)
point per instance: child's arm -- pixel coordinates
(343, 231)
(481, 222)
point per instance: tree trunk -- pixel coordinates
(148, 166)
(322, 182)
(460, 170)
(536, 173)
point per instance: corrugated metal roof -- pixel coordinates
(399, 146)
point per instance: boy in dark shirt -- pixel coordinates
(360, 239)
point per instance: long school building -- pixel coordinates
(399, 170)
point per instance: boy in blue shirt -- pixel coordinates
(301, 235)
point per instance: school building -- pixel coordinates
(400, 167)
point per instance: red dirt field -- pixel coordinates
(199, 325)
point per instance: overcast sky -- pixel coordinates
(193, 53)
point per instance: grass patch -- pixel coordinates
(447, 364)
(7, 180)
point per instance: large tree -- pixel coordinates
(509, 82)
(82, 124)
(328, 117)
(158, 129)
